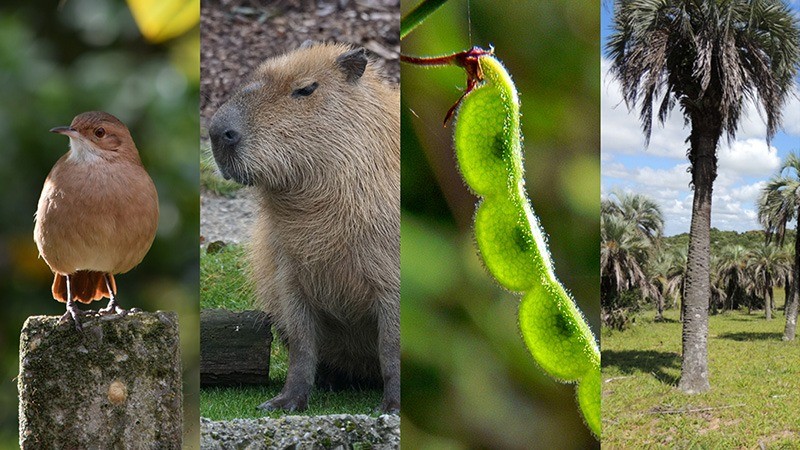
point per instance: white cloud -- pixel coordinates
(791, 114)
(748, 193)
(751, 157)
(733, 204)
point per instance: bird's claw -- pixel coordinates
(74, 314)
(113, 309)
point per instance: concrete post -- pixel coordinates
(117, 385)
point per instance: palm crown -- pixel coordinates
(706, 56)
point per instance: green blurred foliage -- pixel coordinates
(724, 238)
(58, 59)
(468, 380)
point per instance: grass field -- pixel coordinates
(223, 284)
(754, 400)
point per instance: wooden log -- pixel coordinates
(116, 385)
(234, 347)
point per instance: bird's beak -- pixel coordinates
(69, 131)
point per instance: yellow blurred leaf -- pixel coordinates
(160, 20)
(185, 55)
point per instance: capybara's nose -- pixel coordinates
(224, 138)
(225, 131)
(230, 137)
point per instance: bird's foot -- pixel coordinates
(75, 314)
(113, 309)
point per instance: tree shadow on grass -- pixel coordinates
(666, 320)
(745, 336)
(745, 318)
(646, 361)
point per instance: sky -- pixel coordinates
(660, 170)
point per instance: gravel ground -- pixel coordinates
(339, 431)
(237, 36)
(227, 219)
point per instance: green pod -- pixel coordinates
(589, 399)
(487, 133)
(556, 332)
(513, 246)
(510, 241)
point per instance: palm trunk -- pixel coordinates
(749, 303)
(660, 308)
(694, 369)
(768, 300)
(791, 304)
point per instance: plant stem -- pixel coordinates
(418, 15)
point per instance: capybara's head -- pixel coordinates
(297, 116)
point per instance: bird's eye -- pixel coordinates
(305, 91)
(100, 132)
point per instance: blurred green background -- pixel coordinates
(58, 59)
(468, 380)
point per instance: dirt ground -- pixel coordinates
(236, 35)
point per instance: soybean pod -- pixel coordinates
(510, 240)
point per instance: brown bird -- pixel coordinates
(97, 214)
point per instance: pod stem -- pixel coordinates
(468, 60)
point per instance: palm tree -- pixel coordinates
(777, 206)
(658, 271)
(623, 252)
(639, 209)
(677, 274)
(730, 269)
(767, 264)
(718, 292)
(709, 57)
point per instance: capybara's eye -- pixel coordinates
(305, 91)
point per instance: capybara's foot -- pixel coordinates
(390, 406)
(285, 402)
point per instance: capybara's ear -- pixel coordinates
(307, 43)
(353, 64)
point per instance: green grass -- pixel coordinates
(754, 385)
(210, 179)
(223, 281)
(223, 284)
(241, 402)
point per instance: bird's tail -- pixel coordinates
(86, 286)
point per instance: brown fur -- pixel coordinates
(325, 252)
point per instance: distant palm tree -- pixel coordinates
(778, 205)
(730, 268)
(623, 252)
(639, 209)
(708, 57)
(718, 292)
(658, 271)
(767, 265)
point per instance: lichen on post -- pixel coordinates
(116, 385)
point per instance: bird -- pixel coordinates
(97, 214)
